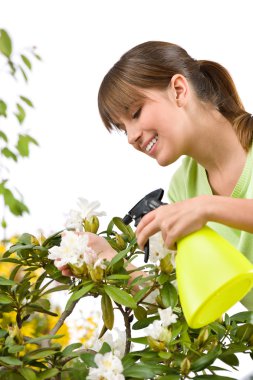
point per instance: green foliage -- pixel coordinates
(17, 65)
(186, 353)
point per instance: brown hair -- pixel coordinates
(152, 65)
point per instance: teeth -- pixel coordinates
(152, 142)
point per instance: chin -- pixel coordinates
(164, 161)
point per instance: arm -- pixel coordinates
(181, 218)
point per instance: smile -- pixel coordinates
(151, 144)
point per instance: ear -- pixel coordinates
(179, 88)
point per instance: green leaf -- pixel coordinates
(27, 373)
(15, 348)
(140, 313)
(144, 323)
(140, 340)
(26, 61)
(213, 377)
(120, 296)
(107, 311)
(26, 100)
(244, 316)
(23, 73)
(23, 144)
(5, 43)
(69, 349)
(21, 114)
(44, 337)
(3, 333)
(10, 360)
(245, 332)
(118, 277)
(5, 300)
(3, 109)
(141, 293)
(34, 307)
(105, 348)
(5, 282)
(169, 295)
(48, 373)
(230, 359)
(205, 360)
(139, 371)
(80, 293)
(38, 354)
(88, 359)
(9, 154)
(120, 255)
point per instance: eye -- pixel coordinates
(137, 113)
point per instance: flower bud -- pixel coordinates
(121, 244)
(166, 265)
(96, 274)
(185, 366)
(94, 224)
(156, 345)
(203, 336)
(79, 271)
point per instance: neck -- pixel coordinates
(218, 150)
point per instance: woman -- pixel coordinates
(171, 105)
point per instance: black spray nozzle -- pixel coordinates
(150, 202)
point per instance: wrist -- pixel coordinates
(207, 205)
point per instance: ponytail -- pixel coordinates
(216, 86)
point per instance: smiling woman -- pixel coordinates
(75, 158)
(166, 101)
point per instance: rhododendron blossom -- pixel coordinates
(86, 210)
(109, 367)
(75, 250)
(158, 250)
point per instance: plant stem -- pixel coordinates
(127, 322)
(61, 321)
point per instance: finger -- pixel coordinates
(146, 232)
(148, 218)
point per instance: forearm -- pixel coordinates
(233, 212)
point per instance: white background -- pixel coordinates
(79, 41)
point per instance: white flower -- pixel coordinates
(117, 342)
(75, 250)
(158, 332)
(74, 220)
(167, 317)
(109, 368)
(86, 211)
(157, 248)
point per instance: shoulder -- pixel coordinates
(183, 179)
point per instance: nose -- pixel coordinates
(133, 134)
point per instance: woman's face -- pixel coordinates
(157, 126)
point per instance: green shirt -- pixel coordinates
(190, 180)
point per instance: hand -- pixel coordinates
(174, 221)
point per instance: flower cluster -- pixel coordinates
(74, 249)
(109, 367)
